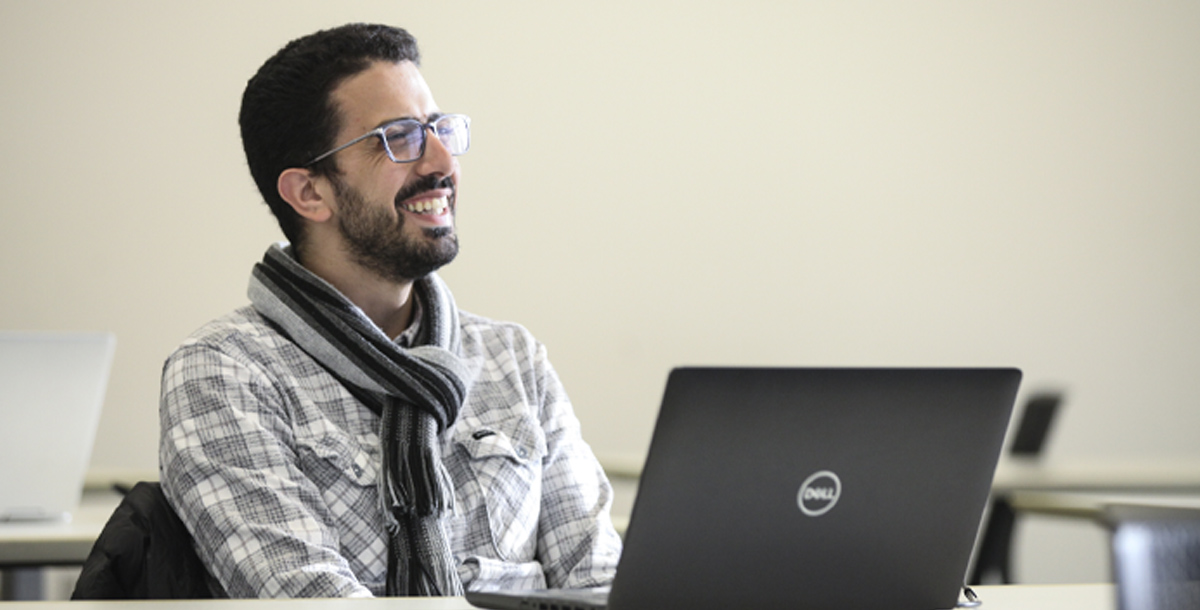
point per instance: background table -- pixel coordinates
(26, 548)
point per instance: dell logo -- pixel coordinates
(827, 494)
(819, 493)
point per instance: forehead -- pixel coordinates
(384, 91)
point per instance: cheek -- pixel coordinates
(456, 175)
(393, 178)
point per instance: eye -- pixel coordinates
(403, 139)
(401, 133)
(449, 126)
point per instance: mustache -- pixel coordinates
(426, 183)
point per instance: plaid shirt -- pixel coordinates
(272, 465)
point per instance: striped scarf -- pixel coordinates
(416, 392)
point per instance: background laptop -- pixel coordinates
(51, 390)
(809, 488)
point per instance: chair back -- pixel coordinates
(143, 552)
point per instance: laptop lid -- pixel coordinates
(807, 488)
(814, 488)
(51, 390)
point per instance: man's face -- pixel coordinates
(395, 219)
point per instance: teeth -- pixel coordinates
(437, 207)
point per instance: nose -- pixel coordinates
(437, 159)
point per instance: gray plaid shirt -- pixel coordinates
(272, 465)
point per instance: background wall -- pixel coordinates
(662, 183)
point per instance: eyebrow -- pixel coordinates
(431, 118)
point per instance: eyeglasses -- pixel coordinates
(404, 140)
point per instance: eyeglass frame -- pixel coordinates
(379, 131)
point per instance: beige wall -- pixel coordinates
(664, 183)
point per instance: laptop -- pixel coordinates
(51, 390)
(807, 488)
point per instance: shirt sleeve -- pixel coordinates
(229, 467)
(577, 543)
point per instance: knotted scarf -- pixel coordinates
(416, 392)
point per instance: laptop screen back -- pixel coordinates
(51, 390)
(814, 488)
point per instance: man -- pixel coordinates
(351, 432)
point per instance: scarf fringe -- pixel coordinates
(414, 480)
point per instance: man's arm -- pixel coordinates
(577, 543)
(230, 468)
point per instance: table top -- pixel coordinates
(1048, 597)
(34, 543)
(1098, 474)
(1093, 504)
(1012, 597)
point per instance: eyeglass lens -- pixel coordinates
(405, 139)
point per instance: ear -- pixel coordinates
(298, 187)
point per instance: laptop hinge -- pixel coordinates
(970, 599)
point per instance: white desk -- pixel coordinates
(1047, 597)
(1102, 475)
(25, 548)
(1013, 597)
(1092, 505)
(24, 544)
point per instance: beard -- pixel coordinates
(378, 241)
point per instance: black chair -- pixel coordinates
(144, 552)
(995, 547)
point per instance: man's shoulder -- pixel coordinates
(467, 319)
(488, 330)
(241, 331)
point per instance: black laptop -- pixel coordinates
(806, 488)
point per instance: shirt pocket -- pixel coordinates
(505, 462)
(339, 464)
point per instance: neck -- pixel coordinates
(388, 304)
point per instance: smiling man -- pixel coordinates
(351, 432)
